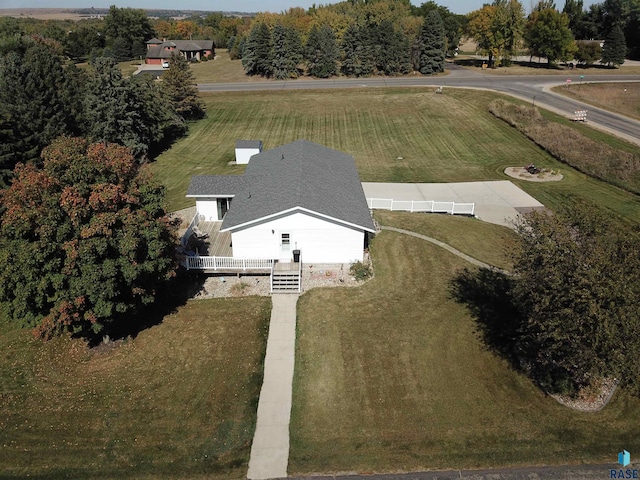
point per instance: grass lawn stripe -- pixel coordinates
(390, 376)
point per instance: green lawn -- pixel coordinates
(483, 241)
(177, 401)
(395, 135)
(390, 376)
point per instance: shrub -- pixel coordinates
(361, 271)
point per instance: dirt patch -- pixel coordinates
(521, 173)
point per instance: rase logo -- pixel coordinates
(624, 459)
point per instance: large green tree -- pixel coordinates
(548, 35)
(432, 44)
(39, 100)
(127, 29)
(287, 52)
(179, 86)
(86, 241)
(257, 51)
(321, 53)
(577, 282)
(128, 111)
(615, 47)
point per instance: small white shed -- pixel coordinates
(245, 149)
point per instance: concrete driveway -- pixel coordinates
(497, 202)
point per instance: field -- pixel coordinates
(395, 135)
(391, 376)
(523, 67)
(623, 98)
(179, 400)
(222, 70)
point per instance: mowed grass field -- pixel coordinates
(177, 401)
(390, 376)
(623, 97)
(395, 135)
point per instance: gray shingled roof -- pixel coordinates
(301, 174)
(158, 51)
(249, 144)
(220, 185)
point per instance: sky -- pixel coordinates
(456, 6)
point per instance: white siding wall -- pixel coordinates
(207, 207)
(319, 241)
(244, 154)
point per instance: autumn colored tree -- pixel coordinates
(86, 240)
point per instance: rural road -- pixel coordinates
(533, 88)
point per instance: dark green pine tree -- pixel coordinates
(257, 51)
(35, 104)
(285, 52)
(322, 52)
(179, 86)
(132, 112)
(351, 48)
(615, 47)
(432, 44)
(392, 49)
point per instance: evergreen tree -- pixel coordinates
(179, 86)
(286, 52)
(130, 112)
(357, 56)
(257, 52)
(615, 47)
(36, 103)
(321, 52)
(432, 44)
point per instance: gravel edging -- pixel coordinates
(521, 173)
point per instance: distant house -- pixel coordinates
(299, 196)
(159, 51)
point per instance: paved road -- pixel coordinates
(532, 88)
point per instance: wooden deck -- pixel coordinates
(217, 244)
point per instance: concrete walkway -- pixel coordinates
(270, 448)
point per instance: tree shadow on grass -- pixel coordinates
(170, 296)
(488, 294)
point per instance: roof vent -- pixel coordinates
(282, 157)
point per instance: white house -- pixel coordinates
(245, 149)
(300, 196)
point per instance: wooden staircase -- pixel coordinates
(286, 277)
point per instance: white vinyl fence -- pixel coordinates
(430, 206)
(225, 263)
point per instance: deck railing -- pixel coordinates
(226, 263)
(452, 208)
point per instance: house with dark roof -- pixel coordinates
(159, 51)
(300, 197)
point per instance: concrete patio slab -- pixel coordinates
(498, 202)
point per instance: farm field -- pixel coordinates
(542, 68)
(622, 98)
(395, 135)
(222, 70)
(391, 376)
(177, 401)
